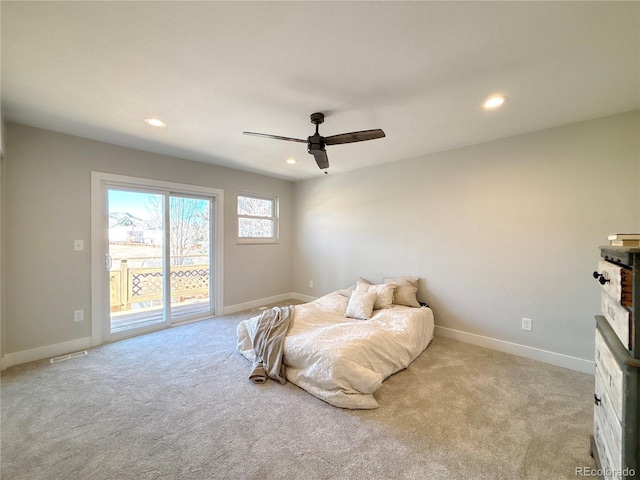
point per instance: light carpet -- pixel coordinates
(177, 404)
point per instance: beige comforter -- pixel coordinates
(341, 360)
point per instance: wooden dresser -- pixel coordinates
(615, 444)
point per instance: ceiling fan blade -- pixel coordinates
(275, 137)
(321, 158)
(354, 137)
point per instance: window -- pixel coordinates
(257, 218)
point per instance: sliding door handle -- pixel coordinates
(108, 262)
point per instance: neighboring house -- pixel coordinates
(126, 235)
(134, 235)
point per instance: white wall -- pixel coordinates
(1, 229)
(46, 206)
(497, 231)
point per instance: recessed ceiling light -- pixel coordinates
(291, 161)
(494, 102)
(155, 121)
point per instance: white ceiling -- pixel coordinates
(418, 70)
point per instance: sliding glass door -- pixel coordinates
(190, 255)
(135, 260)
(158, 258)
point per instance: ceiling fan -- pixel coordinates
(316, 143)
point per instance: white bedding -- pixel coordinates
(344, 361)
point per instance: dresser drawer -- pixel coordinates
(607, 428)
(616, 281)
(610, 374)
(606, 463)
(618, 317)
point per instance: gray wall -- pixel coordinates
(497, 231)
(1, 222)
(46, 205)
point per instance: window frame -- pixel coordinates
(275, 219)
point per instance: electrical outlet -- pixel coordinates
(310, 283)
(78, 315)
(527, 324)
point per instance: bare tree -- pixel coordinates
(188, 225)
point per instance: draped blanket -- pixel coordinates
(267, 340)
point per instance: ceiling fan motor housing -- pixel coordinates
(315, 143)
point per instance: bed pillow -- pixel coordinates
(384, 292)
(406, 290)
(347, 291)
(360, 304)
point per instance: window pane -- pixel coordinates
(255, 228)
(258, 207)
(190, 260)
(136, 276)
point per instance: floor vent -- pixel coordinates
(62, 358)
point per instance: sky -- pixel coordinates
(138, 204)
(134, 203)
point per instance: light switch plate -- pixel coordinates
(78, 245)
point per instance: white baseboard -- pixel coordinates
(303, 298)
(239, 307)
(58, 349)
(546, 356)
(25, 356)
(553, 358)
